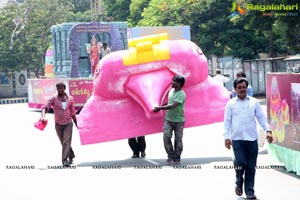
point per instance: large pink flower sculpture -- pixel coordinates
(129, 83)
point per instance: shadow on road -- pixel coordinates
(283, 170)
(145, 162)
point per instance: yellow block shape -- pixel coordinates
(147, 49)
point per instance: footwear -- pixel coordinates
(250, 196)
(238, 191)
(71, 161)
(169, 160)
(135, 156)
(143, 154)
(177, 162)
(66, 164)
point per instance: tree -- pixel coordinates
(80, 6)
(288, 29)
(27, 32)
(136, 10)
(163, 13)
(245, 37)
(9, 55)
(117, 10)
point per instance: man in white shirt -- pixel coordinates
(104, 50)
(240, 131)
(220, 78)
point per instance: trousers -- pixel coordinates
(245, 153)
(174, 153)
(137, 145)
(64, 133)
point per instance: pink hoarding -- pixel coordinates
(39, 90)
(81, 90)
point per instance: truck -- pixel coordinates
(68, 59)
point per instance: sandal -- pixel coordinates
(238, 191)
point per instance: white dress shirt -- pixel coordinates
(221, 79)
(240, 119)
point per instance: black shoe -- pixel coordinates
(66, 164)
(176, 162)
(135, 156)
(143, 154)
(169, 161)
(238, 191)
(251, 196)
(71, 160)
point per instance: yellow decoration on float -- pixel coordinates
(147, 49)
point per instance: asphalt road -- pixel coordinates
(30, 167)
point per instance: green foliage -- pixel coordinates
(6, 53)
(287, 29)
(25, 29)
(80, 6)
(25, 32)
(163, 13)
(136, 10)
(117, 10)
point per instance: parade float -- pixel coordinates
(283, 106)
(116, 100)
(129, 83)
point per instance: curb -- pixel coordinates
(13, 101)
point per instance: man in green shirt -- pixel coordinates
(174, 120)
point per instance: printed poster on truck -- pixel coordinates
(283, 106)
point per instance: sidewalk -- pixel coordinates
(13, 100)
(262, 100)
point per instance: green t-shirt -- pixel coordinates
(176, 114)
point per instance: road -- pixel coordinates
(30, 167)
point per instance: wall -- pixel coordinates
(13, 84)
(255, 70)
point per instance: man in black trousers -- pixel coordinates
(137, 145)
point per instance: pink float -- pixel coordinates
(129, 83)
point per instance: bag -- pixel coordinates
(41, 124)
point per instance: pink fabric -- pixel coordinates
(120, 106)
(41, 125)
